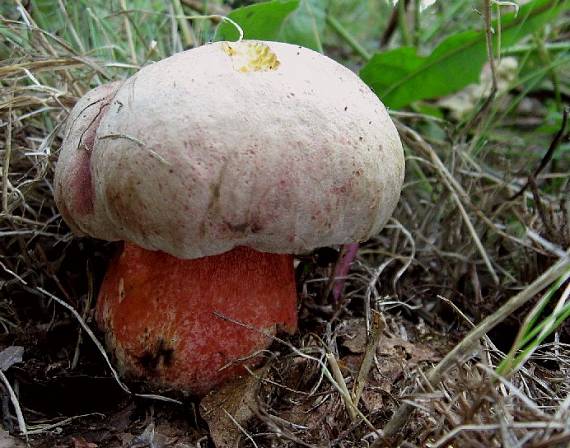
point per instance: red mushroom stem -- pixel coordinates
(164, 317)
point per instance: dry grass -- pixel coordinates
(460, 245)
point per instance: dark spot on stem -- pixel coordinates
(162, 356)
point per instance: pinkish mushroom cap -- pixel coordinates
(259, 144)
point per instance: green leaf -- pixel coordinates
(400, 76)
(298, 22)
(392, 66)
(263, 21)
(306, 25)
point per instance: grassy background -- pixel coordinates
(443, 274)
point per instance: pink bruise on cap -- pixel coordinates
(81, 179)
(75, 195)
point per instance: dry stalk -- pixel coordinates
(346, 397)
(241, 428)
(38, 429)
(16, 404)
(129, 33)
(371, 345)
(7, 156)
(453, 186)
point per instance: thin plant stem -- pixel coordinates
(403, 23)
(348, 38)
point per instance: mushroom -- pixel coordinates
(215, 165)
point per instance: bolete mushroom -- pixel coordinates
(212, 165)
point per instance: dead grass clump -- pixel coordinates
(477, 408)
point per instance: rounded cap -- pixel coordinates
(260, 144)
